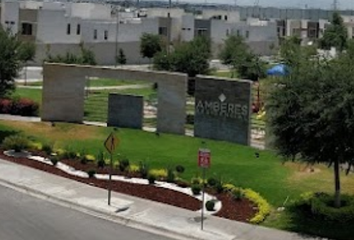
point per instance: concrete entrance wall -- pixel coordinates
(64, 92)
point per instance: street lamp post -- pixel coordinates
(116, 37)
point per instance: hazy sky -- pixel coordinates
(342, 4)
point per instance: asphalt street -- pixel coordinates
(24, 217)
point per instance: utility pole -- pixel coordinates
(335, 5)
(169, 30)
(116, 39)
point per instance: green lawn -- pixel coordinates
(34, 94)
(233, 163)
(97, 83)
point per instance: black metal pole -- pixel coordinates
(203, 196)
(110, 180)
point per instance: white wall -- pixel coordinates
(187, 30)
(127, 32)
(221, 29)
(52, 27)
(163, 12)
(91, 11)
(231, 16)
(10, 15)
(31, 4)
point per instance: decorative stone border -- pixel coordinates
(72, 171)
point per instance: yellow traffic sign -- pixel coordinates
(111, 143)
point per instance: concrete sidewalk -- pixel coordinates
(138, 213)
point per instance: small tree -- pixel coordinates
(335, 34)
(188, 57)
(239, 57)
(121, 58)
(310, 113)
(150, 44)
(13, 53)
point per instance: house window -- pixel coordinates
(227, 32)
(105, 35)
(26, 29)
(225, 17)
(78, 29)
(201, 32)
(163, 31)
(68, 29)
(247, 34)
(238, 33)
(7, 22)
(12, 23)
(95, 34)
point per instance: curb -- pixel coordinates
(100, 213)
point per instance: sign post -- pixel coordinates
(204, 163)
(111, 145)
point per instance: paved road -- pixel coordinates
(23, 217)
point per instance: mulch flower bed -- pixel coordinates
(242, 210)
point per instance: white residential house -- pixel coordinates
(228, 16)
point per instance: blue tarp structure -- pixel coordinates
(278, 70)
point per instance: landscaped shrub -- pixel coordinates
(54, 160)
(36, 146)
(68, 153)
(100, 159)
(196, 189)
(123, 164)
(262, 204)
(16, 142)
(170, 178)
(210, 205)
(237, 194)
(90, 157)
(219, 187)
(24, 107)
(91, 173)
(143, 169)
(5, 106)
(212, 181)
(180, 169)
(196, 180)
(151, 179)
(228, 187)
(47, 148)
(321, 206)
(134, 168)
(158, 173)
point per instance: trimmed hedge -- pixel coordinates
(19, 106)
(321, 205)
(262, 205)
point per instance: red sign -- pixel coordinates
(204, 158)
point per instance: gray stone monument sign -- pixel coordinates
(125, 111)
(223, 109)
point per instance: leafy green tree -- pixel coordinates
(310, 112)
(13, 54)
(239, 57)
(87, 56)
(191, 58)
(121, 58)
(336, 34)
(150, 44)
